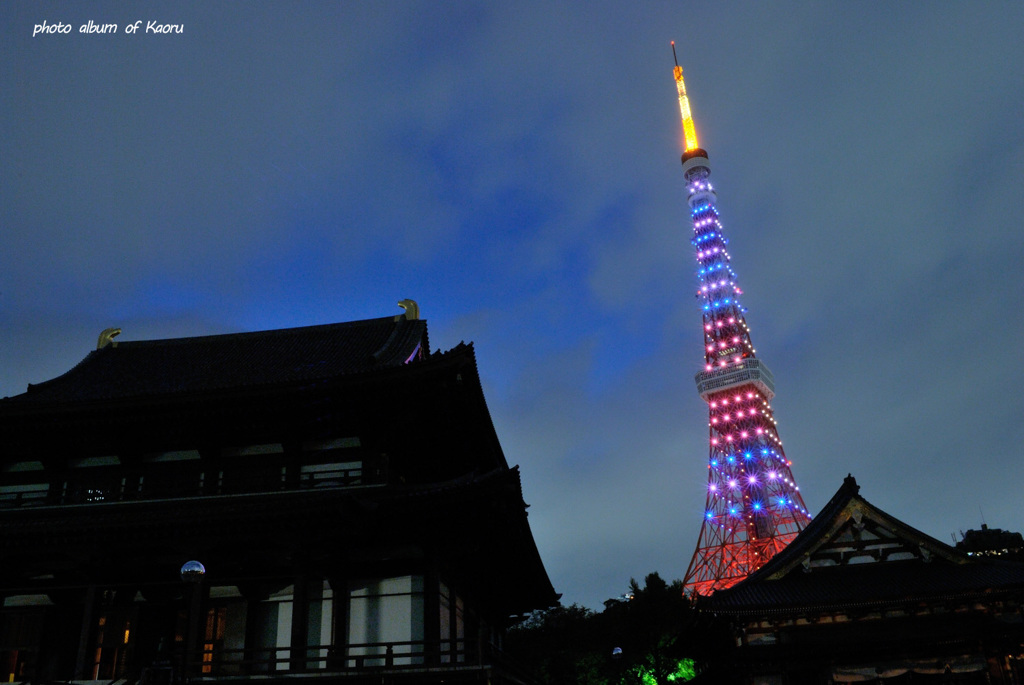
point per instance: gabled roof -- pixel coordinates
(853, 554)
(151, 368)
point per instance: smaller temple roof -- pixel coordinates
(148, 368)
(854, 555)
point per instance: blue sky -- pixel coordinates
(514, 167)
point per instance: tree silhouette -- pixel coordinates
(653, 636)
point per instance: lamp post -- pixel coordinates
(192, 573)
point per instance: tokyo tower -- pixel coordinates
(753, 506)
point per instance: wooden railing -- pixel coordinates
(214, 661)
(123, 486)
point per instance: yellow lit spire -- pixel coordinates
(684, 105)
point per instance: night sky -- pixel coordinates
(514, 168)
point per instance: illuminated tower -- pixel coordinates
(753, 508)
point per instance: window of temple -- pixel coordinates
(89, 462)
(460, 629)
(385, 624)
(113, 636)
(252, 450)
(247, 477)
(23, 494)
(21, 627)
(173, 455)
(224, 632)
(88, 486)
(446, 636)
(21, 466)
(168, 479)
(332, 444)
(23, 483)
(331, 463)
(172, 473)
(453, 626)
(253, 468)
(333, 475)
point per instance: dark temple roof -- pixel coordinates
(854, 555)
(148, 368)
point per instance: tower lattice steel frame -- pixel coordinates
(753, 507)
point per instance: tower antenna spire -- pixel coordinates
(689, 132)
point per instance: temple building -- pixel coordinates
(328, 501)
(861, 596)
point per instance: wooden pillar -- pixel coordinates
(194, 593)
(300, 624)
(253, 657)
(339, 648)
(88, 619)
(431, 616)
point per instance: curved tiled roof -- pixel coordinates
(149, 368)
(791, 581)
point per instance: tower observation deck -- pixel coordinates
(753, 507)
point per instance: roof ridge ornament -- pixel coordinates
(412, 310)
(107, 338)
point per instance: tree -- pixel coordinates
(654, 637)
(557, 645)
(651, 629)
